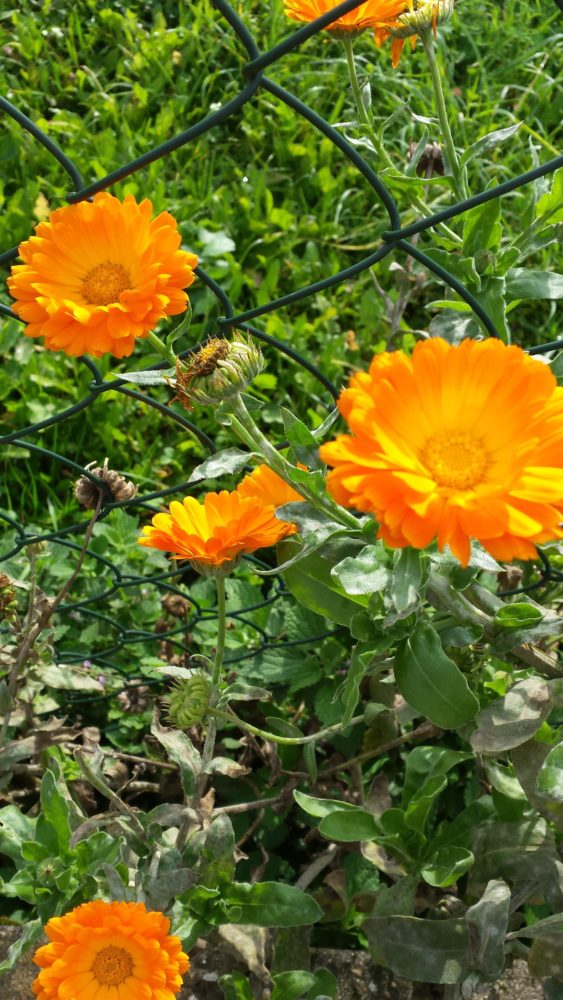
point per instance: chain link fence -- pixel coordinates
(397, 240)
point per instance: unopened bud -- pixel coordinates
(421, 15)
(188, 700)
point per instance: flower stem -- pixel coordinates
(244, 425)
(209, 745)
(459, 176)
(161, 348)
(362, 110)
(291, 741)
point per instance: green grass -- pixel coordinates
(267, 203)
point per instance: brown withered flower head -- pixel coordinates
(90, 495)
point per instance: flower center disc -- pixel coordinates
(112, 966)
(105, 283)
(455, 459)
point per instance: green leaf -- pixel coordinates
(321, 807)
(425, 762)
(291, 985)
(550, 777)
(235, 986)
(406, 580)
(57, 810)
(313, 526)
(418, 809)
(446, 866)
(513, 719)
(324, 987)
(272, 904)
(160, 377)
(542, 928)
(67, 677)
(310, 761)
(31, 933)
(487, 921)
(310, 581)
(462, 268)
(304, 446)
(488, 141)
(181, 751)
(523, 283)
(349, 826)
(217, 863)
(364, 573)
(223, 463)
(492, 299)
(527, 760)
(362, 655)
(427, 951)
(460, 831)
(432, 683)
(15, 828)
(521, 615)
(550, 205)
(481, 228)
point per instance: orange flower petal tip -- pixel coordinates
(98, 275)
(454, 443)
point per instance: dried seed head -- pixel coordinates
(8, 606)
(219, 370)
(176, 605)
(432, 160)
(90, 495)
(134, 699)
(421, 15)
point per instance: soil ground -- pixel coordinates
(357, 978)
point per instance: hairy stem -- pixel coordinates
(209, 745)
(290, 741)
(458, 172)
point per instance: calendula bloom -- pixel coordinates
(368, 15)
(110, 951)
(419, 15)
(97, 275)
(454, 443)
(268, 487)
(215, 534)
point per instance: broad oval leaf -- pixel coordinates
(446, 866)
(432, 683)
(550, 777)
(272, 904)
(349, 826)
(513, 719)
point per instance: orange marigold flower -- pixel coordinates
(97, 275)
(268, 487)
(214, 534)
(367, 15)
(454, 443)
(118, 951)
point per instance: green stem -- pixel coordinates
(209, 745)
(362, 110)
(458, 172)
(365, 119)
(291, 741)
(252, 436)
(161, 348)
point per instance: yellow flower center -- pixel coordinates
(455, 459)
(112, 966)
(105, 283)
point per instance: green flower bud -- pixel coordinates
(188, 700)
(218, 371)
(423, 14)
